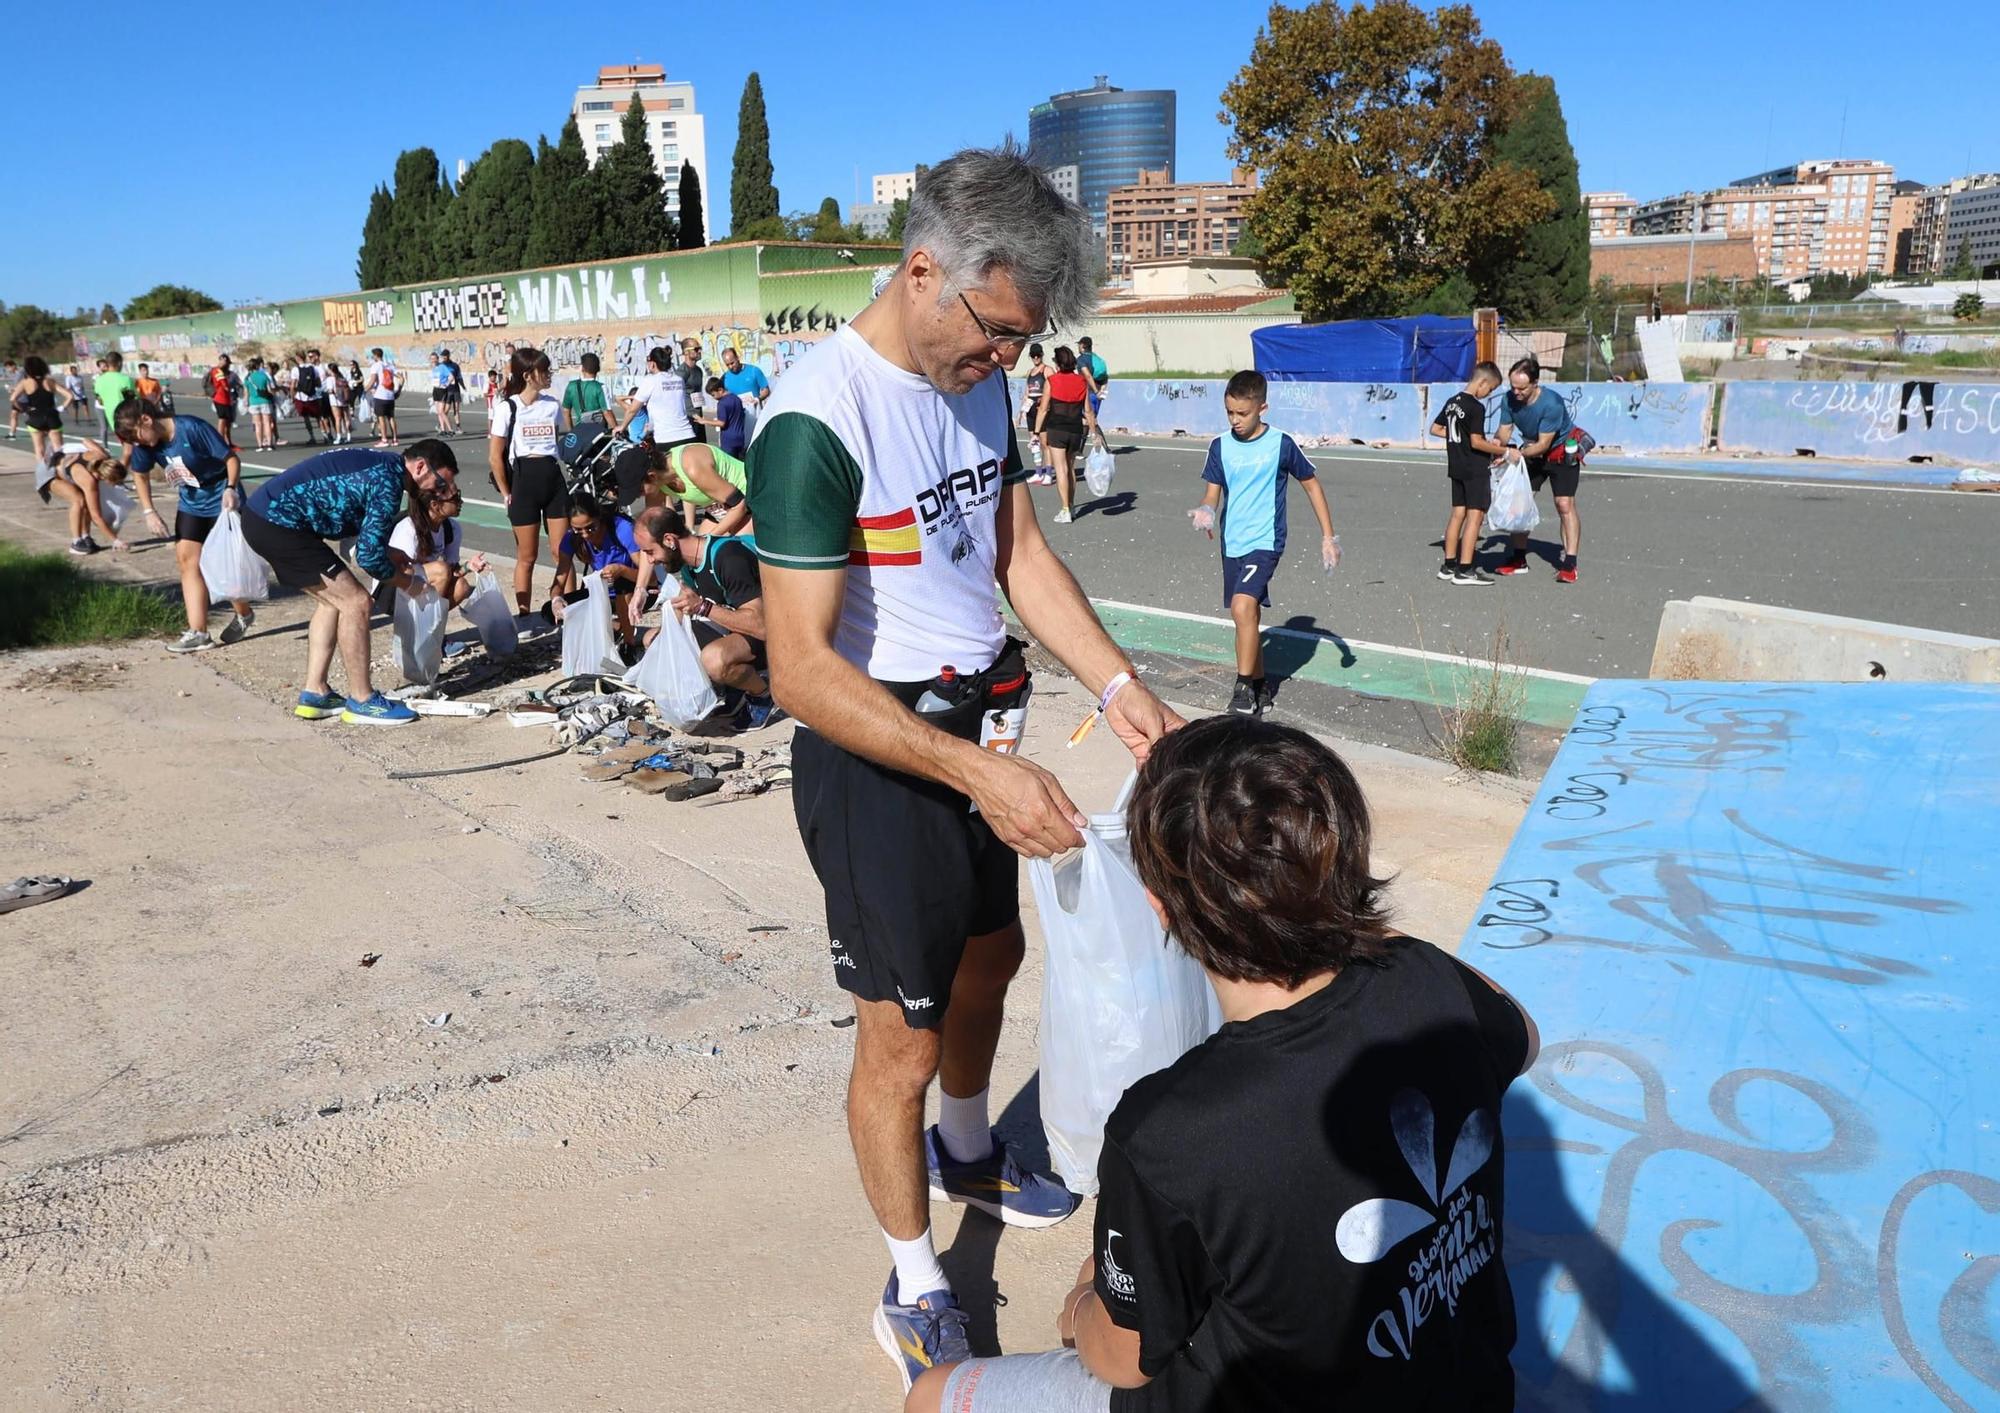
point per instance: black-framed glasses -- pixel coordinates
(1005, 338)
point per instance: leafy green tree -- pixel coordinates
(899, 216)
(567, 205)
(447, 236)
(753, 197)
(409, 256)
(1373, 128)
(167, 301)
(1961, 267)
(767, 228)
(106, 314)
(634, 220)
(690, 232)
(489, 223)
(827, 227)
(28, 328)
(1968, 306)
(371, 265)
(1541, 275)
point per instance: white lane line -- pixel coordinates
(1321, 635)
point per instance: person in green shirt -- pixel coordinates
(112, 387)
(584, 395)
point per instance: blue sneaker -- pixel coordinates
(996, 1184)
(314, 706)
(759, 712)
(920, 1336)
(378, 710)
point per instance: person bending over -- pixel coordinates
(355, 492)
(722, 594)
(209, 476)
(1305, 1210)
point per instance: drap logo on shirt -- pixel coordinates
(898, 538)
(1462, 1238)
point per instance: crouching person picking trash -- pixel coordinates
(889, 498)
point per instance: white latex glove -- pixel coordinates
(1204, 520)
(1329, 553)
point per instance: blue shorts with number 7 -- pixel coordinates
(1249, 574)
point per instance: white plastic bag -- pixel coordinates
(117, 504)
(672, 675)
(488, 610)
(230, 568)
(1098, 469)
(1120, 999)
(1514, 510)
(588, 645)
(364, 412)
(420, 623)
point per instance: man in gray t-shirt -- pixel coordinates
(693, 378)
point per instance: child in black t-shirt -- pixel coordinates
(1306, 1207)
(1468, 455)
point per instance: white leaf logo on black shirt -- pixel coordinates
(1462, 1239)
(1369, 1230)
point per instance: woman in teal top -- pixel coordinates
(260, 391)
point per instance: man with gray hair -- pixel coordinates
(889, 499)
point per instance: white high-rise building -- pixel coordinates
(674, 129)
(891, 187)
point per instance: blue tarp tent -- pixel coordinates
(1427, 348)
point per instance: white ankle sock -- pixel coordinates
(964, 1127)
(917, 1270)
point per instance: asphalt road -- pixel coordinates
(1369, 649)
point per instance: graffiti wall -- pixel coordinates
(617, 310)
(1640, 419)
(1316, 414)
(1869, 421)
(1754, 1165)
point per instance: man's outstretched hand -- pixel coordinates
(1139, 718)
(1026, 806)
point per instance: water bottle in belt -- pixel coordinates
(944, 693)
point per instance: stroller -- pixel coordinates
(589, 452)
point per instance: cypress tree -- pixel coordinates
(692, 234)
(447, 235)
(635, 220)
(567, 211)
(495, 210)
(1545, 276)
(827, 227)
(371, 264)
(408, 257)
(752, 195)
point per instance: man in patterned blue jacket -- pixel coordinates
(351, 492)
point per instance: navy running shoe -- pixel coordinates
(923, 1335)
(997, 1185)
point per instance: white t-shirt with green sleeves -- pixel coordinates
(858, 464)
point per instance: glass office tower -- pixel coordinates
(1110, 134)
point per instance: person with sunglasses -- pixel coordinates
(428, 547)
(890, 500)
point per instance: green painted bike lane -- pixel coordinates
(1434, 680)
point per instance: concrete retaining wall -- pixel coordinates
(1875, 421)
(1721, 640)
(1316, 413)
(1639, 418)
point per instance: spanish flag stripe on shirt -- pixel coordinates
(886, 539)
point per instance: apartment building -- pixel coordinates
(1159, 218)
(675, 129)
(1810, 218)
(1609, 213)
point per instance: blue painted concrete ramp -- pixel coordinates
(1757, 1163)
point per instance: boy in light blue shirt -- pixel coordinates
(1246, 474)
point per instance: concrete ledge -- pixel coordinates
(1721, 640)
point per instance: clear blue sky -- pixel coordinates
(240, 160)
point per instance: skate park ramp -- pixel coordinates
(1757, 1162)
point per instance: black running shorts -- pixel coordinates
(193, 527)
(1472, 492)
(909, 873)
(299, 558)
(537, 491)
(1560, 477)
